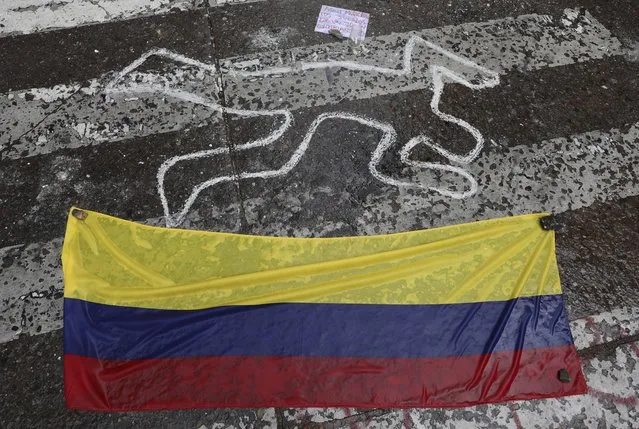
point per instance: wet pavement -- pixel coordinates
(560, 129)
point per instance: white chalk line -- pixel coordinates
(94, 127)
(439, 75)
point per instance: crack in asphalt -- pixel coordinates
(607, 348)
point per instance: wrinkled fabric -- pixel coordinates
(160, 318)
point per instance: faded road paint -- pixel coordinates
(32, 16)
(556, 175)
(525, 43)
(42, 120)
(37, 121)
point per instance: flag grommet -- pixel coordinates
(549, 223)
(79, 214)
(563, 375)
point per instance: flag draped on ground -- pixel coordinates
(158, 318)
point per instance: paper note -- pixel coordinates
(350, 23)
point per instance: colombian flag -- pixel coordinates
(158, 318)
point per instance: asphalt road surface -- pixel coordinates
(547, 119)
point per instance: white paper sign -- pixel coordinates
(350, 23)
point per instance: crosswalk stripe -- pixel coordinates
(342, 71)
(555, 175)
(32, 16)
(120, 177)
(32, 281)
(33, 120)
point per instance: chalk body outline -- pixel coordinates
(439, 74)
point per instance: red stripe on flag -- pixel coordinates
(254, 382)
(284, 381)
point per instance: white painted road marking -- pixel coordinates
(555, 175)
(597, 156)
(42, 120)
(524, 43)
(32, 16)
(529, 42)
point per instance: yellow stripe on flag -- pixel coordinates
(112, 261)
